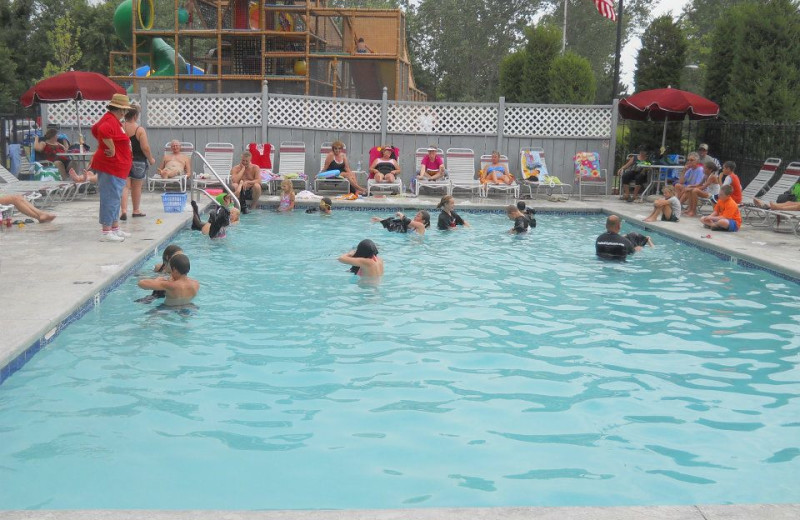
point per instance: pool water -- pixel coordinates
(485, 370)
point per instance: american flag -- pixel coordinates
(606, 8)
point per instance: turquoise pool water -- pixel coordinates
(485, 370)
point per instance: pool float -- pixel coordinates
(328, 174)
(214, 191)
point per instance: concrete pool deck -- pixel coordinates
(49, 271)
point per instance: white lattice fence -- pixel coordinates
(203, 111)
(547, 121)
(324, 114)
(430, 118)
(63, 114)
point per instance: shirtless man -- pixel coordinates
(180, 289)
(246, 181)
(174, 163)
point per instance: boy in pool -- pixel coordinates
(402, 224)
(325, 206)
(219, 219)
(179, 288)
(163, 268)
(521, 221)
(529, 212)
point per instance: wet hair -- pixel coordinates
(365, 249)
(132, 113)
(444, 200)
(361, 40)
(727, 190)
(51, 132)
(426, 218)
(169, 251)
(729, 165)
(180, 263)
(521, 205)
(327, 202)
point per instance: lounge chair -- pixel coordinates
(533, 168)
(373, 185)
(460, 164)
(486, 160)
(756, 186)
(46, 193)
(219, 157)
(153, 179)
(291, 164)
(331, 183)
(439, 184)
(588, 172)
(759, 216)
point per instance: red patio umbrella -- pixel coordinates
(666, 104)
(72, 86)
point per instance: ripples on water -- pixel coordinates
(485, 370)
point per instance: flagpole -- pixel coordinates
(564, 30)
(614, 86)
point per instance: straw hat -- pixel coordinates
(120, 101)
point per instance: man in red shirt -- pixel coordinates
(112, 162)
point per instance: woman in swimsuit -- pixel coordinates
(364, 260)
(496, 173)
(385, 168)
(337, 160)
(448, 218)
(50, 148)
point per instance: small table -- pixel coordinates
(654, 172)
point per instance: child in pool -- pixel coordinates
(402, 224)
(219, 219)
(287, 196)
(179, 288)
(163, 268)
(325, 206)
(528, 212)
(448, 218)
(364, 260)
(521, 221)
(639, 240)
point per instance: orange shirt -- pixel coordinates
(729, 209)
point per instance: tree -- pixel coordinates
(9, 87)
(659, 64)
(512, 70)
(542, 47)
(461, 42)
(759, 77)
(63, 40)
(594, 37)
(571, 80)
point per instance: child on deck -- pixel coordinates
(669, 208)
(287, 196)
(726, 216)
(179, 288)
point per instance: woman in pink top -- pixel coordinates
(432, 167)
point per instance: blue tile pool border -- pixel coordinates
(19, 361)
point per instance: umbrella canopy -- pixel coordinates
(72, 85)
(667, 104)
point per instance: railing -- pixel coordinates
(223, 183)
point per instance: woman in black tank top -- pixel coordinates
(142, 156)
(337, 160)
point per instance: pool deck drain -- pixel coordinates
(49, 271)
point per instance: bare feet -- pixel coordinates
(760, 204)
(46, 217)
(690, 214)
(648, 220)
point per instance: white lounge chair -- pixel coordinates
(219, 157)
(589, 174)
(44, 193)
(331, 183)
(766, 217)
(486, 161)
(154, 179)
(292, 164)
(373, 185)
(460, 164)
(534, 168)
(756, 186)
(439, 184)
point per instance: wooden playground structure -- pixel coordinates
(299, 47)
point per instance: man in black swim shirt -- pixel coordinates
(611, 245)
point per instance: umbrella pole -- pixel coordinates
(80, 135)
(664, 136)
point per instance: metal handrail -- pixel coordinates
(216, 175)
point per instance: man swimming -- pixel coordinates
(179, 288)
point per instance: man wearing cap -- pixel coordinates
(432, 168)
(112, 162)
(702, 151)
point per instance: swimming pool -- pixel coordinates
(485, 370)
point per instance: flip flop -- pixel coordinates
(124, 216)
(134, 215)
(28, 221)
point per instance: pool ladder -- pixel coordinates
(222, 183)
